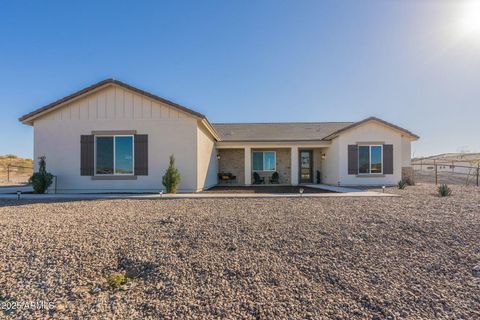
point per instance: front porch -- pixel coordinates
(270, 165)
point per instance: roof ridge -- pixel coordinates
(276, 123)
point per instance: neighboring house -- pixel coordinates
(112, 137)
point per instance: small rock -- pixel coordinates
(60, 307)
(80, 290)
(476, 271)
(96, 289)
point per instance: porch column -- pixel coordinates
(248, 166)
(294, 165)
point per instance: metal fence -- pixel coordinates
(12, 174)
(448, 172)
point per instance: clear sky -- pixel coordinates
(414, 63)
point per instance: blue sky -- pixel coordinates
(246, 61)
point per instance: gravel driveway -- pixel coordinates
(404, 257)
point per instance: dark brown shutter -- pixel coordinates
(86, 155)
(352, 159)
(141, 155)
(388, 159)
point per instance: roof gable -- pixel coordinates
(376, 120)
(40, 112)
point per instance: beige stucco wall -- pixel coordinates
(406, 152)
(57, 136)
(207, 163)
(283, 164)
(331, 164)
(232, 161)
(373, 133)
(319, 164)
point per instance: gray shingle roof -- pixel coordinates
(278, 131)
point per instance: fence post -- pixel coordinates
(478, 172)
(8, 172)
(436, 172)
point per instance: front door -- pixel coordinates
(306, 166)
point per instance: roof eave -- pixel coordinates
(30, 117)
(210, 129)
(411, 136)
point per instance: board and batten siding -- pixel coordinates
(57, 136)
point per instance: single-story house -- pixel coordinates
(112, 137)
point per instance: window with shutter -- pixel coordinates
(114, 155)
(370, 159)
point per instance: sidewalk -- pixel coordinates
(87, 196)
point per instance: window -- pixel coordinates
(114, 155)
(370, 159)
(264, 161)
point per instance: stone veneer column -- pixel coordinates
(294, 165)
(248, 166)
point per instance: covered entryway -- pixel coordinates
(258, 163)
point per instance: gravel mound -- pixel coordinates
(415, 256)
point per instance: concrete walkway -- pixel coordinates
(333, 188)
(14, 189)
(86, 196)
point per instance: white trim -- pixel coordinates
(370, 173)
(114, 174)
(263, 169)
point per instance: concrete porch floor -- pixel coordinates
(265, 189)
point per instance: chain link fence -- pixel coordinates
(451, 172)
(13, 174)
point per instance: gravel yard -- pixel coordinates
(402, 257)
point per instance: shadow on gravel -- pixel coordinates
(134, 269)
(27, 202)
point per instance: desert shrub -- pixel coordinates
(171, 179)
(42, 179)
(402, 184)
(444, 191)
(409, 181)
(117, 279)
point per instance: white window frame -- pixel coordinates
(263, 157)
(114, 160)
(370, 159)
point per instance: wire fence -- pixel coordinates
(448, 172)
(12, 174)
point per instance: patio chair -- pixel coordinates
(275, 178)
(257, 179)
(226, 177)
